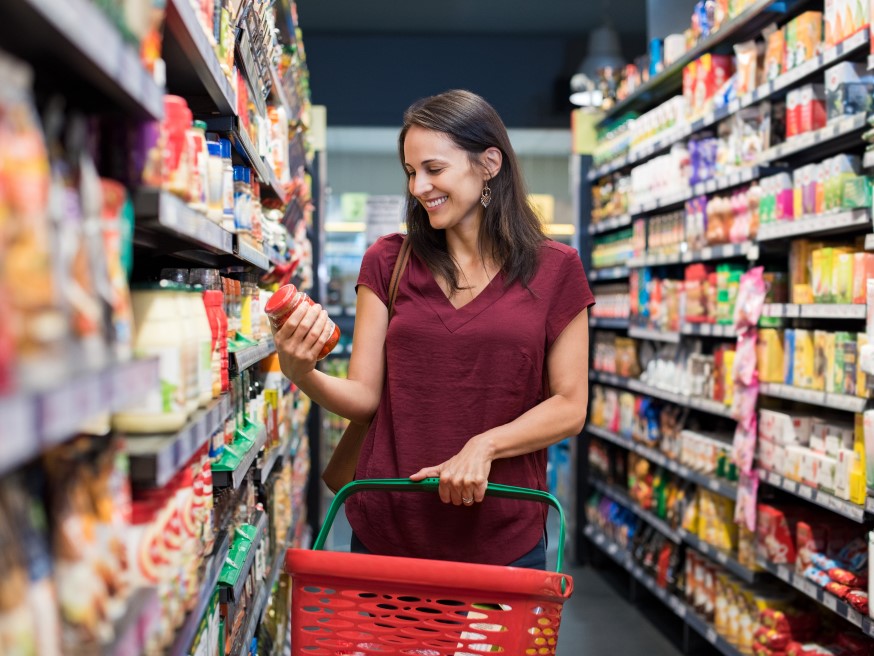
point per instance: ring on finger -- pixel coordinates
(467, 501)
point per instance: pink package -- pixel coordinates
(774, 536)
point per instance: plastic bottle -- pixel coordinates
(200, 323)
(284, 301)
(246, 307)
(227, 186)
(242, 199)
(157, 333)
(215, 179)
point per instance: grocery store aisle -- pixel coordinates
(597, 619)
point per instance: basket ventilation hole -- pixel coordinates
(412, 599)
(450, 602)
(425, 609)
(310, 588)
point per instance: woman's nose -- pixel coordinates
(420, 184)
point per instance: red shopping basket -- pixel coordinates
(348, 604)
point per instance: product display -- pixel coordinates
(155, 461)
(732, 418)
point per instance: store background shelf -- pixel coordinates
(235, 478)
(246, 357)
(710, 186)
(251, 254)
(621, 497)
(708, 330)
(750, 22)
(719, 252)
(725, 559)
(78, 34)
(194, 69)
(155, 459)
(813, 495)
(679, 607)
(816, 224)
(612, 223)
(654, 334)
(609, 273)
(257, 610)
(814, 311)
(36, 421)
(844, 402)
(844, 127)
(270, 460)
(164, 211)
(211, 571)
(786, 574)
(234, 592)
(719, 486)
(608, 323)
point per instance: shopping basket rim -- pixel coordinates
(427, 575)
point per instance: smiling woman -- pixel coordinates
(484, 362)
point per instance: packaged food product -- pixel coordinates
(283, 302)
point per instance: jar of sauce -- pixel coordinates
(284, 301)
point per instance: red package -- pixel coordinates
(813, 649)
(796, 623)
(855, 642)
(762, 650)
(773, 640)
(838, 590)
(847, 578)
(774, 536)
(810, 538)
(858, 599)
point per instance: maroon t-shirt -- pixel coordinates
(452, 374)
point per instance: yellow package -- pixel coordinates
(842, 276)
(728, 377)
(804, 358)
(861, 377)
(770, 355)
(830, 362)
(820, 359)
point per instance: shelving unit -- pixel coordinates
(814, 495)
(814, 311)
(823, 399)
(85, 84)
(608, 323)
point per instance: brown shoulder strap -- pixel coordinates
(400, 265)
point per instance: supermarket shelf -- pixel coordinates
(610, 273)
(136, 625)
(844, 402)
(172, 214)
(869, 239)
(233, 592)
(720, 252)
(254, 616)
(711, 186)
(253, 355)
(77, 35)
(708, 330)
(786, 574)
(211, 571)
(654, 334)
(655, 259)
(749, 21)
(621, 497)
(721, 487)
(235, 478)
(814, 311)
(155, 459)
(680, 608)
(247, 150)
(803, 142)
(198, 56)
(35, 421)
(609, 323)
(251, 254)
(705, 405)
(763, 92)
(269, 463)
(727, 560)
(816, 224)
(818, 497)
(612, 223)
(246, 58)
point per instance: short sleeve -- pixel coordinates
(571, 295)
(377, 265)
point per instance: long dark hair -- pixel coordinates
(510, 226)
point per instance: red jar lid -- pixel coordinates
(281, 298)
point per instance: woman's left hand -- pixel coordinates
(464, 477)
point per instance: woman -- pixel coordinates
(484, 363)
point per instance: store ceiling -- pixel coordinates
(565, 17)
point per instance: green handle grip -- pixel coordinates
(431, 485)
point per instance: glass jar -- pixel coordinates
(284, 301)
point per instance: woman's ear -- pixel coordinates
(492, 159)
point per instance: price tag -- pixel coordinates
(809, 589)
(854, 616)
(805, 491)
(710, 186)
(721, 556)
(830, 602)
(612, 549)
(683, 471)
(711, 635)
(774, 479)
(783, 572)
(734, 106)
(789, 486)
(713, 484)
(18, 439)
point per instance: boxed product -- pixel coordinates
(848, 88)
(803, 366)
(770, 355)
(711, 73)
(775, 532)
(803, 38)
(775, 55)
(811, 108)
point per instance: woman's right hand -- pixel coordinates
(300, 340)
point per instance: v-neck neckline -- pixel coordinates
(452, 317)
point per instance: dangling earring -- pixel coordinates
(486, 195)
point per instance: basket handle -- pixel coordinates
(431, 485)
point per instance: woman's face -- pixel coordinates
(442, 178)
